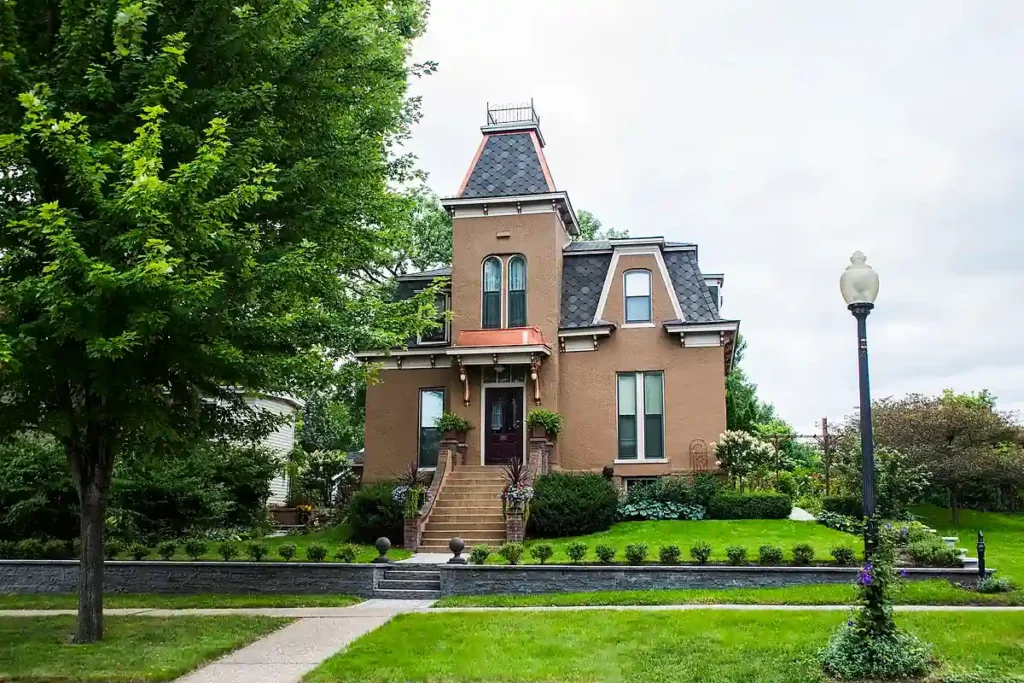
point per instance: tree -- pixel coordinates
(743, 410)
(591, 228)
(189, 193)
(741, 455)
(420, 238)
(961, 439)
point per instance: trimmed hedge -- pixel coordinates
(572, 504)
(759, 505)
(848, 506)
(373, 513)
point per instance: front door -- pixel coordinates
(503, 440)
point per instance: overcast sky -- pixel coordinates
(780, 136)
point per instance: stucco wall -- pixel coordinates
(392, 417)
(694, 386)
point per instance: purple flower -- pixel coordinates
(849, 622)
(864, 577)
(903, 573)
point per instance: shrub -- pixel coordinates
(655, 510)
(511, 552)
(768, 554)
(704, 488)
(849, 655)
(737, 554)
(673, 489)
(8, 550)
(55, 549)
(803, 554)
(636, 553)
(286, 551)
(228, 550)
(933, 553)
(346, 553)
(195, 548)
(30, 549)
(572, 504)
(450, 422)
(840, 522)
(546, 419)
(576, 550)
(316, 552)
(995, 584)
(373, 512)
(479, 554)
(112, 548)
(669, 554)
(138, 551)
(256, 550)
(760, 505)
(541, 552)
(166, 550)
(843, 554)
(605, 553)
(700, 552)
(847, 506)
(810, 503)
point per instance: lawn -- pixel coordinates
(719, 533)
(330, 538)
(1004, 536)
(914, 593)
(115, 600)
(632, 646)
(135, 648)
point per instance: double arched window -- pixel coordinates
(515, 294)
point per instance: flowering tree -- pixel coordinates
(740, 455)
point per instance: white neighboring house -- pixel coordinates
(282, 440)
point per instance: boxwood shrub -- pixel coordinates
(758, 505)
(373, 513)
(572, 504)
(848, 506)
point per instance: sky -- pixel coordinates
(781, 137)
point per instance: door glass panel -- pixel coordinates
(496, 416)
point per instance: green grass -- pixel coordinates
(914, 593)
(631, 646)
(330, 537)
(1004, 536)
(149, 600)
(134, 649)
(720, 534)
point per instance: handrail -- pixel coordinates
(445, 463)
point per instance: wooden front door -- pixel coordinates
(503, 411)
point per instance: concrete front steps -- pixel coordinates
(409, 583)
(469, 506)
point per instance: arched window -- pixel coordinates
(492, 292)
(638, 296)
(517, 292)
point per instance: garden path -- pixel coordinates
(801, 515)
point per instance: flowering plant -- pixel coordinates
(411, 498)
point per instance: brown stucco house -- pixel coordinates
(622, 337)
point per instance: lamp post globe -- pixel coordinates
(859, 287)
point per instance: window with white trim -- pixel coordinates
(431, 407)
(491, 317)
(641, 415)
(517, 292)
(638, 296)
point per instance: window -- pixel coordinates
(642, 439)
(437, 335)
(492, 292)
(431, 407)
(638, 296)
(638, 482)
(517, 292)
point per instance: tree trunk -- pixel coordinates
(953, 507)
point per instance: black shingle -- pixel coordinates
(582, 280)
(508, 165)
(687, 280)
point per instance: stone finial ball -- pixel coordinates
(456, 545)
(383, 545)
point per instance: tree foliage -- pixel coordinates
(591, 228)
(742, 455)
(743, 409)
(190, 192)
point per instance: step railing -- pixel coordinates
(445, 465)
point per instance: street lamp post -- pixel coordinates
(859, 286)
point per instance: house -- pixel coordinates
(622, 337)
(281, 440)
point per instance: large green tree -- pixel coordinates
(592, 229)
(743, 409)
(189, 192)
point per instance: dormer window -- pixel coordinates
(439, 334)
(517, 292)
(638, 296)
(492, 293)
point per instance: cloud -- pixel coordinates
(780, 137)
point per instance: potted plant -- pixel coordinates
(544, 423)
(411, 489)
(516, 495)
(453, 427)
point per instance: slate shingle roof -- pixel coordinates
(694, 297)
(582, 281)
(508, 165)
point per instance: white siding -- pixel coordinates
(280, 441)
